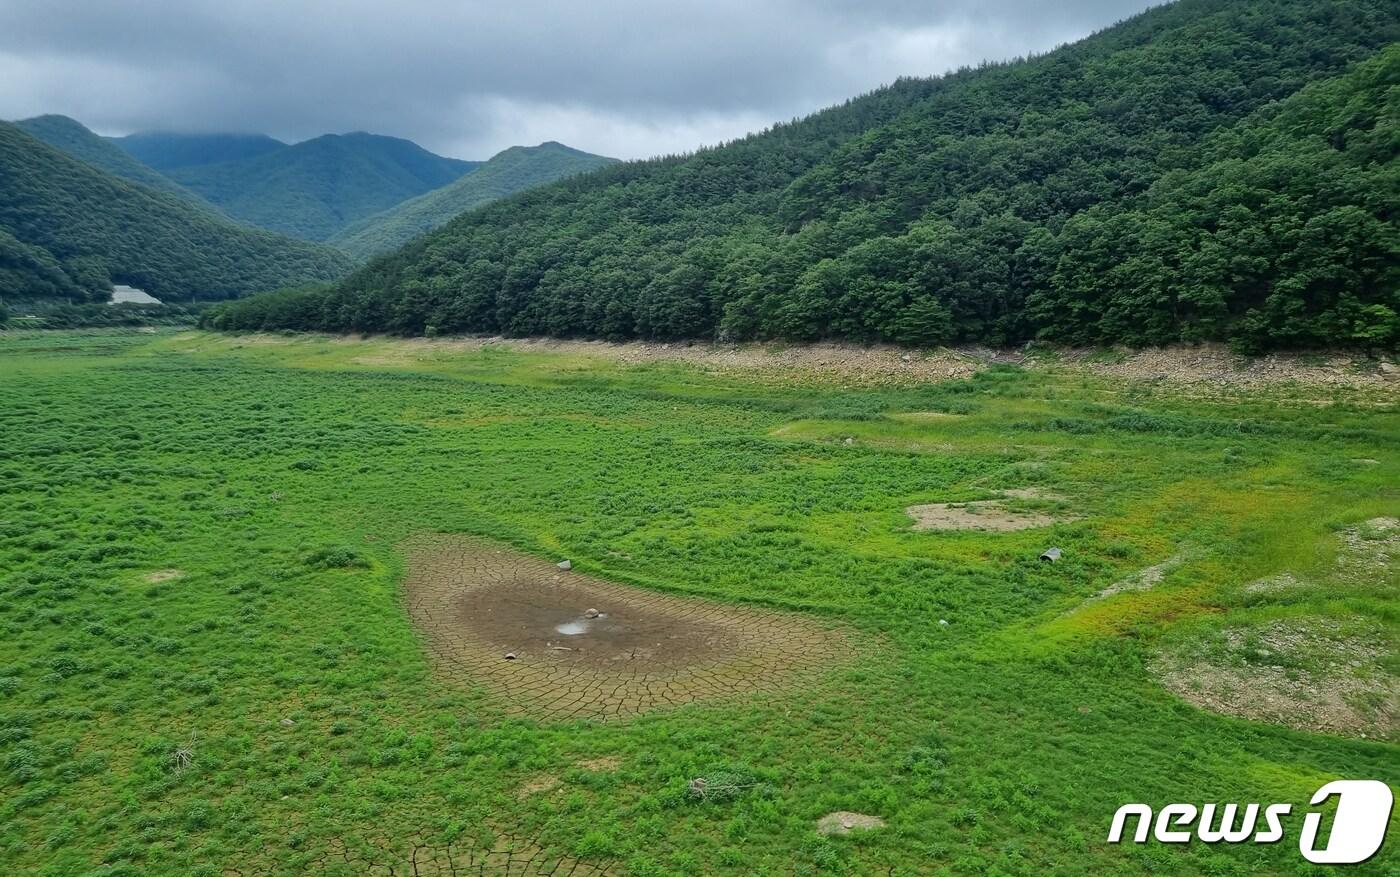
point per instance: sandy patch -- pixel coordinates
(605, 764)
(846, 822)
(565, 645)
(1314, 673)
(987, 514)
(162, 575)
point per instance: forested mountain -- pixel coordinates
(70, 230)
(514, 170)
(313, 189)
(1284, 235)
(75, 139)
(167, 151)
(981, 206)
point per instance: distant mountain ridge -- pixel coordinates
(314, 188)
(510, 171)
(167, 151)
(71, 230)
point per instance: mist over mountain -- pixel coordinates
(74, 138)
(168, 151)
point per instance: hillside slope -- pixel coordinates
(168, 151)
(933, 226)
(68, 229)
(313, 189)
(75, 139)
(514, 170)
(1285, 236)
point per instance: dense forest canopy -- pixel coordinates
(995, 205)
(513, 170)
(315, 188)
(69, 230)
(74, 138)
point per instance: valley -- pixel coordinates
(948, 440)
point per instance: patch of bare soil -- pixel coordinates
(847, 822)
(1215, 364)
(162, 575)
(536, 784)
(1368, 552)
(882, 364)
(1308, 673)
(498, 853)
(561, 644)
(847, 363)
(605, 764)
(1143, 579)
(923, 416)
(985, 514)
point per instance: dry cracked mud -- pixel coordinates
(520, 626)
(501, 855)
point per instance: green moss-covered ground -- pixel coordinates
(142, 716)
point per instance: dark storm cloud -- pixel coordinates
(623, 77)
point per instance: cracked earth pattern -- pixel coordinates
(505, 856)
(477, 602)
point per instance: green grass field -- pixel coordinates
(265, 705)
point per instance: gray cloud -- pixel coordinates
(628, 78)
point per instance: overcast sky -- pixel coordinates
(628, 78)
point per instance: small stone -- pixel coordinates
(286, 723)
(565, 564)
(590, 613)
